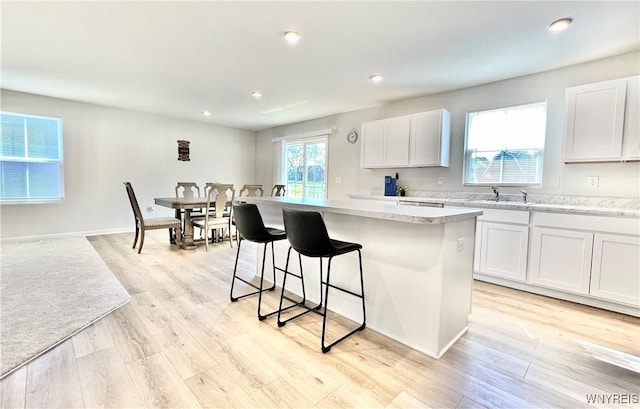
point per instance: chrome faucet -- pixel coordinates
(495, 192)
(524, 196)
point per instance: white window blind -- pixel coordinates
(30, 158)
(505, 146)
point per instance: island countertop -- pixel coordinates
(376, 209)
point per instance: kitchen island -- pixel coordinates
(417, 262)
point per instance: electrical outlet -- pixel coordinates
(460, 245)
(592, 182)
(338, 179)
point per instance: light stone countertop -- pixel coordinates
(568, 208)
(376, 209)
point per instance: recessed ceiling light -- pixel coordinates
(206, 113)
(256, 94)
(376, 77)
(292, 36)
(561, 24)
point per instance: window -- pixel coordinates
(304, 167)
(505, 146)
(30, 158)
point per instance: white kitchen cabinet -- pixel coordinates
(396, 133)
(502, 237)
(385, 143)
(503, 250)
(595, 120)
(430, 139)
(372, 144)
(631, 133)
(417, 140)
(615, 271)
(560, 259)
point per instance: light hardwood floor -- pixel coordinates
(180, 342)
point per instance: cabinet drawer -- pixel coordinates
(504, 216)
(623, 225)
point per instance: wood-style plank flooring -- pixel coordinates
(180, 343)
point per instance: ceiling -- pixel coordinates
(182, 58)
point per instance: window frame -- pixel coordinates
(466, 156)
(305, 139)
(26, 159)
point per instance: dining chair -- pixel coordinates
(155, 223)
(278, 190)
(251, 191)
(217, 215)
(188, 190)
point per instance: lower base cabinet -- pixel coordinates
(503, 252)
(615, 270)
(594, 260)
(561, 259)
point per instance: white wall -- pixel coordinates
(104, 147)
(616, 179)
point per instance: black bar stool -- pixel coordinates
(308, 236)
(250, 227)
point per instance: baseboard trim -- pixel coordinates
(65, 235)
(593, 302)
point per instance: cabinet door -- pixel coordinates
(631, 134)
(372, 154)
(429, 144)
(397, 141)
(594, 121)
(503, 250)
(615, 271)
(561, 259)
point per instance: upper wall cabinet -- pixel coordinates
(429, 139)
(416, 140)
(385, 143)
(602, 121)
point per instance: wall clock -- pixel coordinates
(352, 136)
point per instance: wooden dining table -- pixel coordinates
(186, 204)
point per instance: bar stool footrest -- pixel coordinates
(250, 284)
(301, 305)
(327, 348)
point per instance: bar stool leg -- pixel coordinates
(235, 268)
(327, 348)
(264, 256)
(296, 303)
(234, 277)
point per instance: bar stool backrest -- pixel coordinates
(249, 223)
(307, 233)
